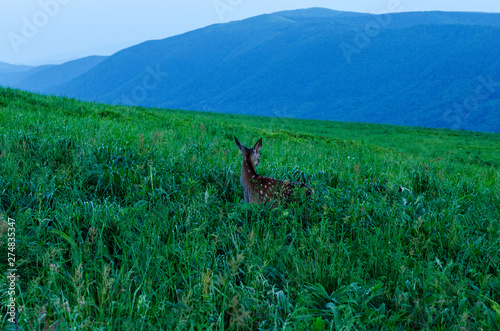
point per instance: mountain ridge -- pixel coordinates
(404, 68)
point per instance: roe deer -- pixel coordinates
(258, 189)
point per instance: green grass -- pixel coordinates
(130, 218)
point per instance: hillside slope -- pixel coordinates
(42, 81)
(133, 218)
(10, 68)
(43, 78)
(11, 75)
(419, 69)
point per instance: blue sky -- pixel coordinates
(52, 31)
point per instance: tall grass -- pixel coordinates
(131, 218)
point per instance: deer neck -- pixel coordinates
(248, 175)
(248, 170)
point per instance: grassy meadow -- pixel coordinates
(129, 218)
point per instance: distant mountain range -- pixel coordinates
(47, 77)
(431, 69)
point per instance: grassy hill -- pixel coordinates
(132, 218)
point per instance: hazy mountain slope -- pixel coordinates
(407, 69)
(8, 68)
(43, 81)
(13, 74)
(183, 58)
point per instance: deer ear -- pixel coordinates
(258, 145)
(238, 143)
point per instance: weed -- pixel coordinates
(131, 218)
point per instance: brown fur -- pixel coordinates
(259, 189)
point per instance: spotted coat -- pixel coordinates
(259, 189)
